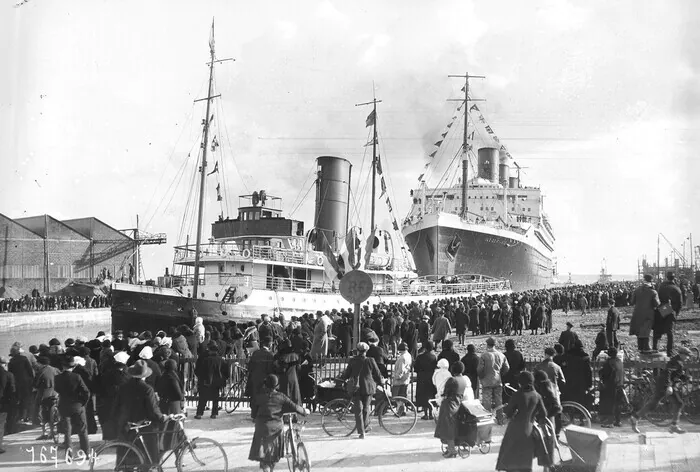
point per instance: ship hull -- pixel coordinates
(136, 308)
(498, 253)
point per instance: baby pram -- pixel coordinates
(327, 390)
(587, 446)
(474, 426)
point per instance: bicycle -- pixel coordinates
(396, 415)
(236, 392)
(196, 454)
(294, 449)
(54, 422)
(572, 413)
(662, 416)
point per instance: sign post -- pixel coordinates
(356, 287)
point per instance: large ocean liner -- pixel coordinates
(489, 223)
(263, 262)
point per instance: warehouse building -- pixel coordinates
(43, 253)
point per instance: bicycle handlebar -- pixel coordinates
(145, 423)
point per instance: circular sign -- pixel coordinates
(356, 286)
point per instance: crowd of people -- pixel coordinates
(111, 380)
(52, 303)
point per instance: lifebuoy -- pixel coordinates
(246, 253)
(319, 260)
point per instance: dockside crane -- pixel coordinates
(142, 238)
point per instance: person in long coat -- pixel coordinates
(211, 375)
(645, 300)
(267, 445)
(544, 387)
(424, 330)
(473, 315)
(409, 335)
(425, 365)
(136, 402)
(669, 292)
(319, 345)
(170, 389)
(345, 335)
(446, 427)
(578, 373)
(287, 364)
(21, 368)
(537, 318)
(363, 372)
(517, 448)
(471, 368)
(260, 365)
(612, 394)
(483, 319)
(114, 375)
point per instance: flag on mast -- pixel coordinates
(211, 37)
(371, 119)
(369, 247)
(353, 251)
(330, 263)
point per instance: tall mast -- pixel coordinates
(373, 116)
(203, 168)
(465, 139)
(374, 165)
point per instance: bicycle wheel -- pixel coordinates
(289, 451)
(398, 416)
(55, 426)
(661, 415)
(338, 419)
(297, 461)
(202, 454)
(117, 456)
(233, 397)
(691, 408)
(573, 413)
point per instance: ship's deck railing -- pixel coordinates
(382, 286)
(412, 219)
(232, 251)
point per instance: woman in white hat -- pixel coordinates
(114, 374)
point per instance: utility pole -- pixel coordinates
(465, 139)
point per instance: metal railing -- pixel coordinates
(324, 368)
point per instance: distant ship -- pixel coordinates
(488, 224)
(262, 262)
(604, 277)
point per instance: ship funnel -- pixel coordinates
(332, 200)
(503, 169)
(488, 164)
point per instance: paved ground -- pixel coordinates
(380, 451)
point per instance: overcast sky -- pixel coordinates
(599, 100)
